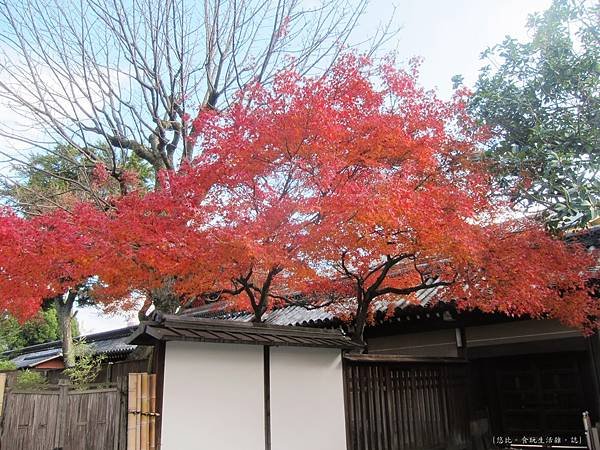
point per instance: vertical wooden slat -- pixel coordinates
(378, 422)
(400, 408)
(138, 408)
(366, 419)
(132, 443)
(406, 409)
(152, 434)
(359, 415)
(144, 403)
(2, 388)
(142, 412)
(348, 405)
(58, 417)
(61, 416)
(392, 407)
(403, 406)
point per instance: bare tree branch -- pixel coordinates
(118, 78)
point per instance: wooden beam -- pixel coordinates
(159, 350)
(132, 393)
(267, 396)
(372, 358)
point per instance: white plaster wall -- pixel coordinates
(213, 397)
(307, 399)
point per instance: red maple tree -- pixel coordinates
(363, 185)
(331, 192)
(46, 258)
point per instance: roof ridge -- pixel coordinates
(177, 328)
(248, 326)
(93, 337)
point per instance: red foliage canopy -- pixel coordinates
(42, 258)
(351, 187)
(363, 184)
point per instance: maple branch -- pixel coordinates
(390, 262)
(267, 284)
(346, 271)
(306, 304)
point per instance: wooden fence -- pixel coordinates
(397, 403)
(59, 417)
(116, 416)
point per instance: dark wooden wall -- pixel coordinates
(405, 403)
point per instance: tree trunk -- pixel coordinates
(360, 321)
(64, 310)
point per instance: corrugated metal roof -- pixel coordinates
(112, 342)
(178, 328)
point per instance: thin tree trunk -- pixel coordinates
(64, 310)
(360, 321)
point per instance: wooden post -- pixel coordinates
(132, 395)
(2, 389)
(159, 359)
(267, 396)
(152, 418)
(122, 386)
(144, 403)
(61, 417)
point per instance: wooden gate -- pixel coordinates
(395, 403)
(59, 417)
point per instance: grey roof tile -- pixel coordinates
(182, 328)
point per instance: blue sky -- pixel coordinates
(448, 34)
(451, 34)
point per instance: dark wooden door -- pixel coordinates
(537, 395)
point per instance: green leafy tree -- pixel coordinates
(62, 176)
(44, 327)
(541, 100)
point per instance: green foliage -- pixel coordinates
(29, 379)
(542, 100)
(6, 365)
(62, 176)
(87, 365)
(10, 334)
(45, 327)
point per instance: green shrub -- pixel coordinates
(87, 365)
(28, 379)
(6, 365)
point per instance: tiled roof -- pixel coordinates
(177, 328)
(302, 316)
(35, 358)
(112, 342)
